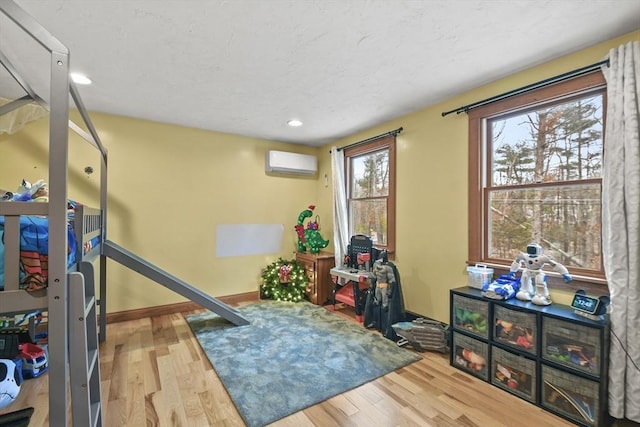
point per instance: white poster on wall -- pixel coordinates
(248, 239)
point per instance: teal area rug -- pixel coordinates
(292, 356)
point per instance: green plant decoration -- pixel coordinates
(309, 237)
(284, 280)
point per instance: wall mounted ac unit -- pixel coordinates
(285, 162)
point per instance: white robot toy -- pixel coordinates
(533, 262)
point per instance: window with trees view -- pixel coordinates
(370, 179)
(537, 162)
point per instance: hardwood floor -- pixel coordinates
(154, 373)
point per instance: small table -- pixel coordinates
(350, 295)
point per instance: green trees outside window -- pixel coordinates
(535, 175)
(545, 166)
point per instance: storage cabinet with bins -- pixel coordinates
(317, 267)
(547, 355)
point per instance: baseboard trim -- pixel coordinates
(181, 307)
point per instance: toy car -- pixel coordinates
(34, 360)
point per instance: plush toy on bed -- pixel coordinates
(38, 191)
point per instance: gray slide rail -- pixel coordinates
(150, 271)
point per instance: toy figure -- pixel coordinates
(311, 235)
(384, 304)
(384, 279)
(533, 262)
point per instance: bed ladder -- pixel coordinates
(84, 361)
(134, 262)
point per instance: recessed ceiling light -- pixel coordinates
(80, 79)
(294, 123)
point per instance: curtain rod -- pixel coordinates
(373, 138)
(559, 78)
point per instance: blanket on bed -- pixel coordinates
(34, 251)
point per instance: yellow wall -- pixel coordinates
(431, 206)
(169, 187)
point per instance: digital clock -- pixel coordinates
(584, 303)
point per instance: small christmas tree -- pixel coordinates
(284, 280)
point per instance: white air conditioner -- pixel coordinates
(285, 162)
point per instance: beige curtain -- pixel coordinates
(621, 227)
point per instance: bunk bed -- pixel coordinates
(18, 220)
(74, 242)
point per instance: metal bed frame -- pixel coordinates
(56, 297)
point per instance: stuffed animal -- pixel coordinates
(311, 235)
(38, 191)
(9, 382)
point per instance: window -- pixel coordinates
(535, 163)
(371, 190)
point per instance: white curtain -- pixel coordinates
(340, 223)
(621, 227)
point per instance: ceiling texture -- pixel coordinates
(246, 67)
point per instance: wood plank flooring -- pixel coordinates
(154, 373)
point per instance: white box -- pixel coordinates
(479, 275)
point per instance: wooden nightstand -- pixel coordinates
(317, 267)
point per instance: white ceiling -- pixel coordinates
(247, 66)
